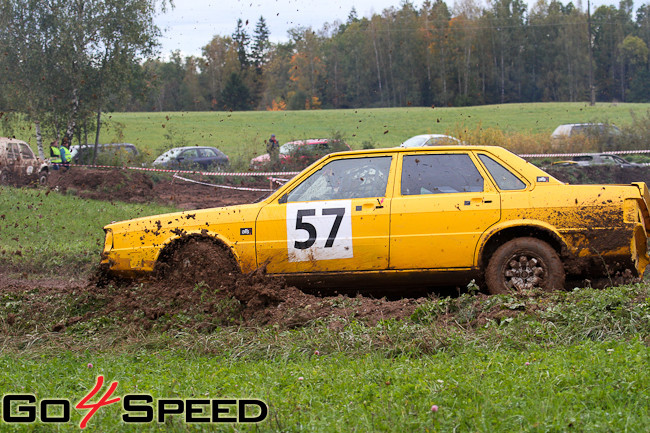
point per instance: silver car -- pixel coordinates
(431, 140)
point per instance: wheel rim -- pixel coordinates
(524, 271)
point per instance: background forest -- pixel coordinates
(65, 63)
(406, 56)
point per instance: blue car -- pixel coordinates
(193, 157)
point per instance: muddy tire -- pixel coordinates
(198, 260)
(42, 177)
(524, 264)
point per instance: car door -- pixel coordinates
(442, 204)
(335, 218)
(188, 158)
(13, 155)
(27, 159)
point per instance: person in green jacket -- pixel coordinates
(66, 156)
(55, 155)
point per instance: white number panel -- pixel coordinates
(319, 230)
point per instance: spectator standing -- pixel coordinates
(55, 154)
(273, 148)
(66, 156)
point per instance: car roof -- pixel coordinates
(497, 150)
(192, 147)
(11, 140)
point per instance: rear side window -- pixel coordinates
(208, 153)
(506, 181)
(440, 174)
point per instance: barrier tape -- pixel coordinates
(562, 155)
(203, 173)
(240, 188)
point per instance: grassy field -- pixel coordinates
(241, 135)
(58, 234)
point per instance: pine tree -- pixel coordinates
(241, 40)
(261, 44)
(235, 95)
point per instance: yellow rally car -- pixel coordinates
(425, 216)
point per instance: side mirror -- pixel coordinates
(283, 199)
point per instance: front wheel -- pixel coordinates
(198, 260)
(42, 177)
(524, 264)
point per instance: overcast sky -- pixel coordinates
(192, 23)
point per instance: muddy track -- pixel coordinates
(220, 300)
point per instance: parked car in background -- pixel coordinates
(596, 130)
(302, 151)
(597, 159)
(189, 157)
(431, 140)
(425, 216)
(109, 153)
(18, 162)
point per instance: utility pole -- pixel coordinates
(592, 91)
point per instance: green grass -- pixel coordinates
(594, 387)
(241, 135)
(47, 232)
(574, 361)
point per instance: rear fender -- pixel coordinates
(499, 234)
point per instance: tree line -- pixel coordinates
(408, 56)
(64, 62)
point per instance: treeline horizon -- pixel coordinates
(407, 56)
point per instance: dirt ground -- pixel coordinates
(249, 300)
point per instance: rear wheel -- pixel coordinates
(524, 264)
(198, 260)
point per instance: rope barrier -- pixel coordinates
(563, 155)
(240, 188)
(203, 173)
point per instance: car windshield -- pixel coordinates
(172, 153)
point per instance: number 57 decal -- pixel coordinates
(319, 231)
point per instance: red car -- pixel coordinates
(302, 151)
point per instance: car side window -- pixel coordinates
(189, 154)
(12, 151)
(207, 153)
(345, 179)
(506, 181)
(26, 152)
(440, 174)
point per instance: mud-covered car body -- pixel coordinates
(18, 162)
(429, 216)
